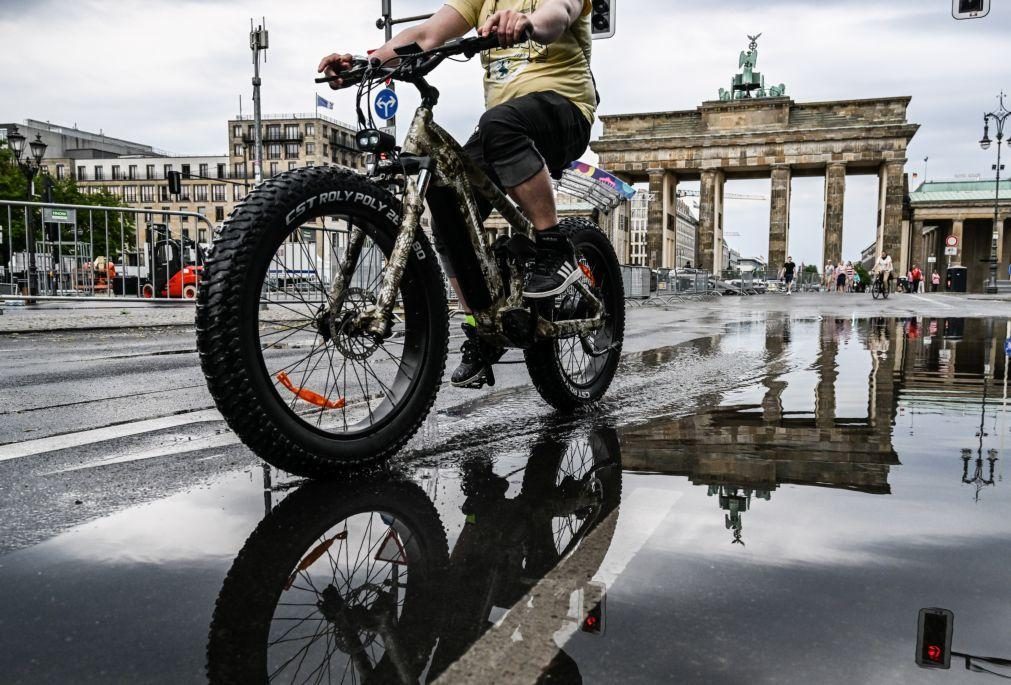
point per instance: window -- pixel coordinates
(273, 168)
(201, 235)
(201, 193)
(61, 172)
(149, 172)
(115, 190)
(291, 151)
(184, 219)
(129, 193)
(219, 214)
(218, 193)
(186, 170)
(163, 194)
(291, 131)
(310, 148)
(187, 192)
(165, 217)
(166, 169)
(132, 172)
(81, 174)
(203, 170)
(99, 173)
(202, 211)
(292, 165)
(310, 163)
(117, 175)
(238, 192)
(147, 193)
(237, 150)
(310, 129)
(273, 131)
(237, 131)
(186, 231)
(274, 151)
(221, 171)
(238, 170)
(148, 216)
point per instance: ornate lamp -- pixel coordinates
(38, 148)
(17, 143)
(985, 143)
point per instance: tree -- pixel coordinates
(90, 234)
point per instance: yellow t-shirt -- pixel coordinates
(562, 67)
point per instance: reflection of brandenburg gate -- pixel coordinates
(757, 133)
(753, 449)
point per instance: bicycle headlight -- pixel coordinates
(374, 140)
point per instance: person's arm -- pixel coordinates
(444, 25)
(546, 24)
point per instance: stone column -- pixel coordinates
(670, 186)
(835, 196)
(828, 373)
(656, 220)
(709, 244)
(779, 218)
(890, 212)
(916, 253)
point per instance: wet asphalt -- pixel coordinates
(736, 522)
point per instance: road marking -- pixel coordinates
(932, 301)
(174, 449)
(28, 448)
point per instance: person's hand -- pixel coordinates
(510, 25)
(332, 65)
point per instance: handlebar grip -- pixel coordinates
(489, 42)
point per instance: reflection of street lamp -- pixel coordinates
(998, 118)
(29, 167)
(991, 455)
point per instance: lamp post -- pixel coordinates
(29, 166)
(998, 118)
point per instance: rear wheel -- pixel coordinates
(577, 370)
(291, 374)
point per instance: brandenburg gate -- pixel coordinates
(758, 132)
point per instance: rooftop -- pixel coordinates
(960, 191)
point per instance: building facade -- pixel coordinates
(678, 246)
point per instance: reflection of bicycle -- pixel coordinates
(313, 381)
(355, 584)
(880, 287)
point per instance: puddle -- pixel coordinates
(780, 525)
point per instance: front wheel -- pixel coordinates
(575, 371)
(292, 374)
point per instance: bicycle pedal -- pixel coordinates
(487, 377)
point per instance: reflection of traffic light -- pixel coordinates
(602, 18)
(933, 638)
(970, 9)
(593, 622)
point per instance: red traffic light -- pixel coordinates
(933, 638)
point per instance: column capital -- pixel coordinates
(835, 165)
(894, 162)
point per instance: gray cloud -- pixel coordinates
(170, 73)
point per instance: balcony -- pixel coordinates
(272, 137)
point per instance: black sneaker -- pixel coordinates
(475, 371)
(555, 267)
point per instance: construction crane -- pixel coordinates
(726, 196)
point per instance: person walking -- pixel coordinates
(850, 272)
(829, 276)
(935, 281)
(915, 278)
(840, 278)
(789, 270)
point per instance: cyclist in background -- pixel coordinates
(540, 100)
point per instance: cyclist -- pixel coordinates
(883, 270)
(541, 100)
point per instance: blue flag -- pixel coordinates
(321, 102)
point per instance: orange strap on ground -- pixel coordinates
(308, 395)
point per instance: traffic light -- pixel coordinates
(602, 18)
(970, 9)
(175, 182)
(593, 621)
(933, 638)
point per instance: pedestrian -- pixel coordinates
(829, 276)
(856, 282)
(850, 272)
(935, 281)
(840, 278)
(788, 271)
(915, 277)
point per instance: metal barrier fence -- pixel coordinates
(72, 252)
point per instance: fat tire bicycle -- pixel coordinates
(322, 316)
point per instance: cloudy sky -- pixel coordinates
(170, 73)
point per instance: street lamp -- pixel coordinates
(998, 118)
(29, 166)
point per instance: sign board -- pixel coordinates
(387, 104)
(951, 241)
(933, 260)
(951, 251)
(59, 216)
